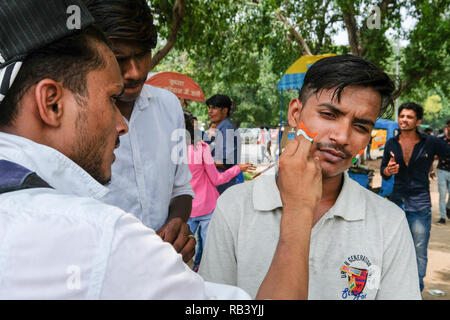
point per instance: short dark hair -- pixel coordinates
(67, 60)
(417, 108)
(221, 101)
(125, 19)
(348, 70)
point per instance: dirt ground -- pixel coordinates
(438, 268)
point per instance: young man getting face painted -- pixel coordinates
(361, 247)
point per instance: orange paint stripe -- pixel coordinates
(302, 126)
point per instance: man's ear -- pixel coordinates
(419, 122)
(295, 108)
(48, 94)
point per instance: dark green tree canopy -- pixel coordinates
(242, 48)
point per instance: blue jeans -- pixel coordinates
(444, 189)
(420, 225)
(199, 224)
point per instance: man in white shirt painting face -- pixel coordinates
(146, 181)
(59, 125)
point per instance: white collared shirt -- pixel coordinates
(151, 162)
(63, 243)
(361, 231)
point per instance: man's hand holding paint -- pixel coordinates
(300, 175)
(392, 167)
(300, 185)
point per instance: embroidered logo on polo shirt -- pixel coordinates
(360, 274)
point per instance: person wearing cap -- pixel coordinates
(361, 247)
(150, 178)
(59, 126)
(226, 140)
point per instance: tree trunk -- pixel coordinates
(352, 31)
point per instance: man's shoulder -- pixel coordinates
(226, 124)
(165, 96)
(41, 202)
(381, 210)
(250, 198)
(391, 140)
(237, 200)
(240, 192)
(161, 104)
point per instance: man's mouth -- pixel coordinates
(331, 156)
(332, 153)
(133, 84)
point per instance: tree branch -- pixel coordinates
(352, 31)
(297, 35)
(178, 14)
(409, 81)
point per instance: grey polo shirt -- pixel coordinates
(361, 248)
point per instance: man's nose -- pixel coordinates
(130, 69)
(122, 127)
(341, 132)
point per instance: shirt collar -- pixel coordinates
(52, 166)
(350, 204)
(145, 95)
(225, 124)
(422, 136)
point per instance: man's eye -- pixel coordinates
(362, 128)
(327, 114)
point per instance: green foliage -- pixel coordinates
(241, 48)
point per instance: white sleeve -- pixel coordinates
(142, 266)
(399, 277)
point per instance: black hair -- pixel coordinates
(417, 108)
(346, 70)
(194, 135)
(189, 123)
(67, 61)
(125, 19)
(221, 101)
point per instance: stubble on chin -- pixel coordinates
(89, 150)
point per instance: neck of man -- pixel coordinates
(219, 122)
(409, 134)
(126, 108)
(331, 188)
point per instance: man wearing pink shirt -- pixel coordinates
(205, 178)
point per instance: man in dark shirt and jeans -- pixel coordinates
(227, 150)
(409, 156)
(443, 173)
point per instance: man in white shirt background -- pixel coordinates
(146, 181)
